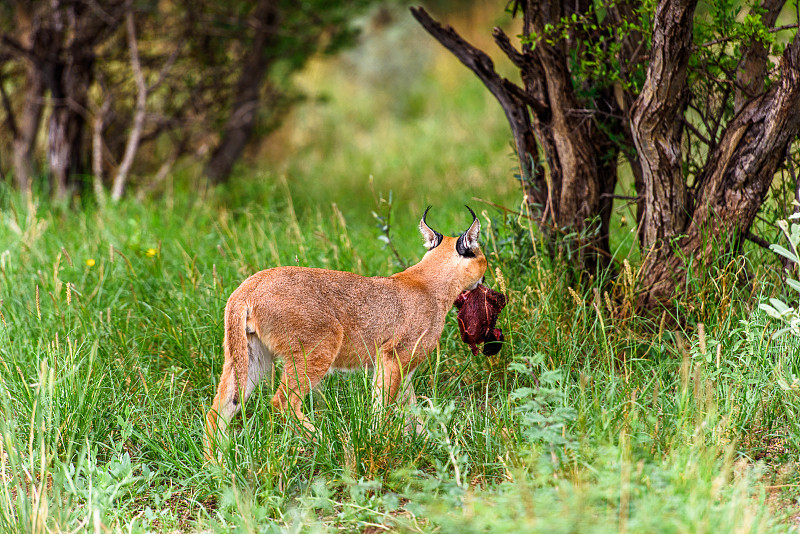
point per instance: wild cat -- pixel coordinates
(318, 320)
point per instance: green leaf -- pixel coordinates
(794, 284)
(772, 312)
(781, 306)
(785, 253)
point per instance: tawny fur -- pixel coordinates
(316, 320)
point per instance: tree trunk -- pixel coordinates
(132, 146)
(244, 112)
(69, 85)
(734, 183)
(27, 128)
(656, 123)
(573, 190)
(753, 68)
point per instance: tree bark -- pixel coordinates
(69, 84)
(735, 182)
(753, 67)
(27, 123)
(656, 126)
(27, 128)
(244, 112)
(98, 125)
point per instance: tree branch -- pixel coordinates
(753, 66)
(162, 74)
(631, 44)
(17, 48)
(727, 39)
(504, 44)
(477, 61)
(522, 62)
(761, 242)
(695, 131)
(98, 124)
(138, 119)
(750, 151)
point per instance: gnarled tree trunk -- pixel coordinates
(734, 183)
(656, 123)
(573, 185)
(679, 218)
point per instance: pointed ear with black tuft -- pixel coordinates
(432, 237)
(469, 239)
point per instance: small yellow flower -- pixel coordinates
(150, 252)
(90, 262)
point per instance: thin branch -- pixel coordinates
(726, 39)
(504, 43)
(586, 111)
(519, 60)
(763, 243)
(793, 174)
(718, 119)
(101, 13)
(620, 197)
(167, 66)
(161, 174)
(704, 113)
(760, 241)
(138, 119)
(98, 145)
(695, 131)
(17, 48)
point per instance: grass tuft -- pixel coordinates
(589, 419)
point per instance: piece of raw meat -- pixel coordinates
(477, 316)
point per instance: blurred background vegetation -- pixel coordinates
(76, 123)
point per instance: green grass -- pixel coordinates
(111, 326)
(633, 427)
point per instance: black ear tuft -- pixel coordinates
(472, 212)
(469, 239)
